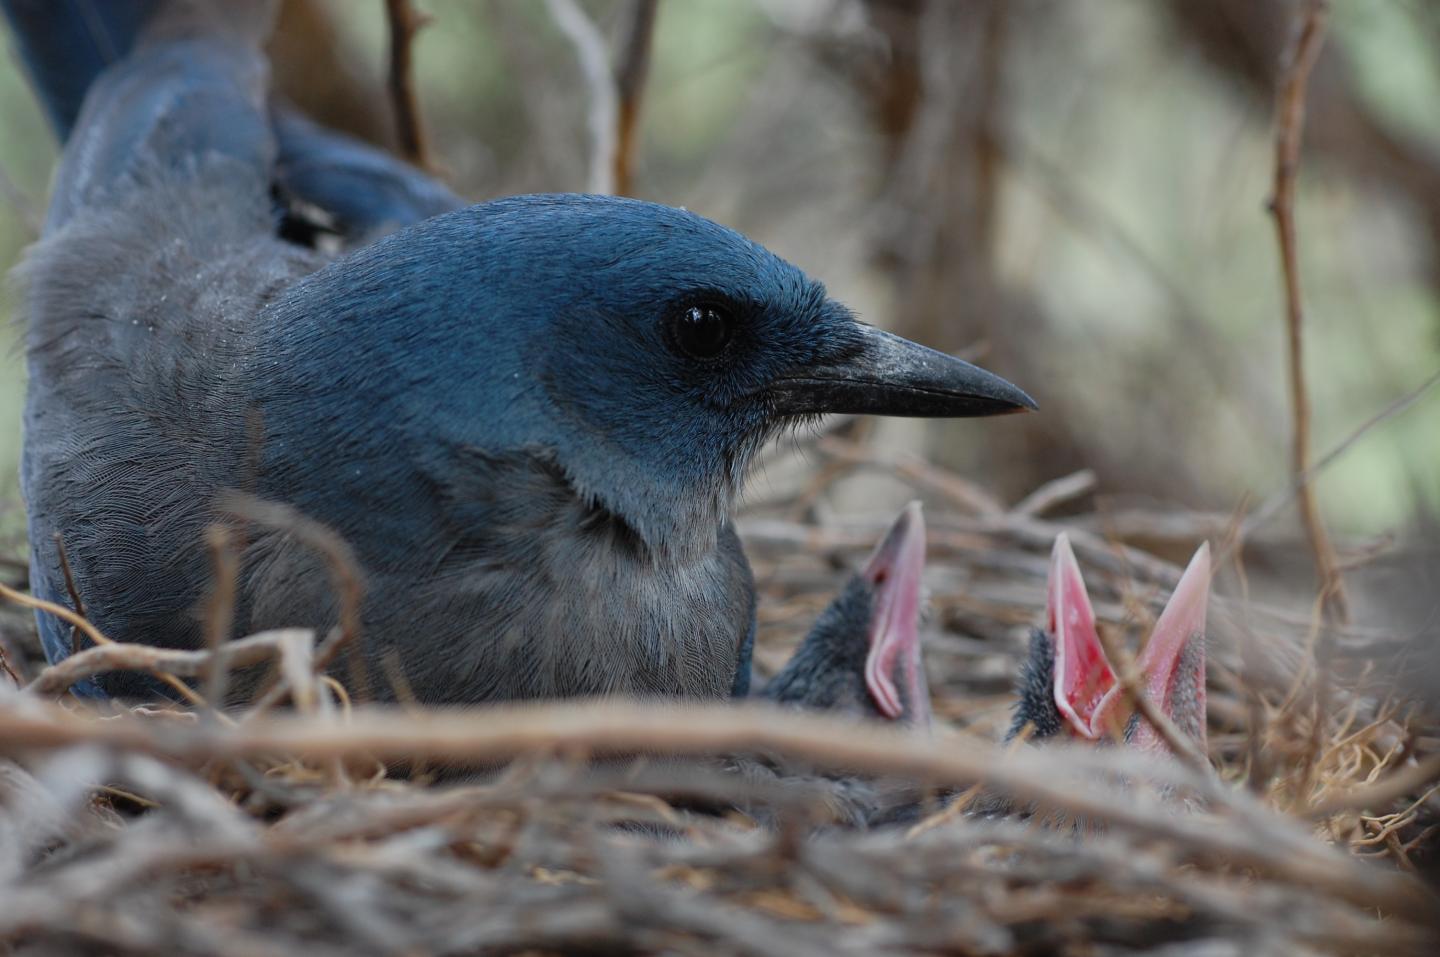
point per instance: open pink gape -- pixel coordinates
(895, 568)
(1087, 693)
(1172, 664)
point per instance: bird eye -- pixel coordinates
(702, 332)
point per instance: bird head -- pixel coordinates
(1068, 685)
(862, 656)
(652, 351)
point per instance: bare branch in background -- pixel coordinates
(1268, 509)
(1245, 40)
(985, 134)
(1057, 492)
(315, 65)
(602, 119)
(630, 76)
(405, 21)
(1290, 126)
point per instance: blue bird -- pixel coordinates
(529, 418)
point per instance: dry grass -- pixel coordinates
(181, 830)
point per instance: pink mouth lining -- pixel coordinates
(1083, 676)
(1087, 692)
(896, 568)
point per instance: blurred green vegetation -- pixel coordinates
(27, 152)
(1130, 210)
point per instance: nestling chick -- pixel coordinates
(1067, 685)
(862, 657)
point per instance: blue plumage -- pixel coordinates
(64, 45)
(361, 191)
(530, 418)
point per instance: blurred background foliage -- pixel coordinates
(1070, 191)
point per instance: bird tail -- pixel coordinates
(132, 86)
(64, 44)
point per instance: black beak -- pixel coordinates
(894, 376)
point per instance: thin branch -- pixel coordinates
(594, 59)
(73, 589)
(630, 76)
(405, 21)
(1290, 125)
(345, 576)
(955, 488)
(1132, 686)
(1399, 785)
(8, 670)
(1057, 492)
(1268, 509)
(170, 661)
(93, 633)
(985, 137)
(220, 613)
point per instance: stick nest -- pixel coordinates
(537, 829)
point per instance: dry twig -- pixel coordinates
(345, 577)
(1253, 836)
(1290, 125)
(72, 589)
(1268, 509)
(594, 60)
(1385, 791)
(1132, 686)
(121, 656)
(91, 632)
(630, 76)
(405, 21)
(1055, 493)
(221, 607)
